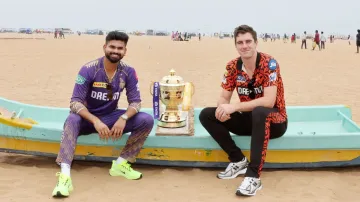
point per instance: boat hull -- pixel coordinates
(317, 136)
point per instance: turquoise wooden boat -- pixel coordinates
(317, 136)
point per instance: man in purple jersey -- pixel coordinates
(93, 106)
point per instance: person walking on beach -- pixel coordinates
(323, 40)
(316, 40)
(303, 40)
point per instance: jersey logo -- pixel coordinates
(240, 79)
(136, 76)
(99, 85)
(103, 96)
(273, 76)
(272, 64)
(224, 80)
(122, 83)
(247, 91)
(80, 79)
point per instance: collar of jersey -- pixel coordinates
(239, 62)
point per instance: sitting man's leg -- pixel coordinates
(267, 123)
(239, 124)
(72, 127)
(140, 126)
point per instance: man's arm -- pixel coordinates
(78, 99)
(132, 93)
(225, 97)
(80, 109)
(228, 83)
(267, 101)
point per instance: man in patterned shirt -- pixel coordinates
(260, 113)
(94, 108)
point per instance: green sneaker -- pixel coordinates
(63, 186)
(124, 169)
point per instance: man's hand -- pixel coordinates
(117, 129)
(102, 129)
(223, 112)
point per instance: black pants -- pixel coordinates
(261, 124)
(322, 45)
(303, 43)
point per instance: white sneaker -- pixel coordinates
(234, 169)
(249, 186)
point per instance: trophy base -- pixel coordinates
(180, 128)
(173, 119)
(178, 124)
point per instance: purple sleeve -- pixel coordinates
(132, 87)
(82, 85)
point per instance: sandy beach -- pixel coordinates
(42, 72)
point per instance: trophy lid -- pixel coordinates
(172, 78)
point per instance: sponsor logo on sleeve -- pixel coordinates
(272, 64)
(273, 76)
(224, 80)
(80, 79)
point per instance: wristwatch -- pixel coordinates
(124, 116)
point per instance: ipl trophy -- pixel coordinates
(175, 95)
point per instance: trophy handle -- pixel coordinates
(151, 87)
(192, 89)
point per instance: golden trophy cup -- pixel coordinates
(175, 95)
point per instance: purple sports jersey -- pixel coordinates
(90, 88)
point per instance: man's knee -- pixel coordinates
(207, 114)
(146, 119)
(71, 127)
(260, 112)
(72, 124)
(73, 119)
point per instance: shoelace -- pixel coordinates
(127, 166)
(62, 180)
(247, 182)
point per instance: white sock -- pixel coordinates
(120, 160)
(65, 168)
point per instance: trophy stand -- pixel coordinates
(184, 127)
(172, 118)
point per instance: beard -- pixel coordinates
(113, 57)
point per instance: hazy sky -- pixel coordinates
(277, 16)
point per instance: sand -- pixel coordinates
(42, 72)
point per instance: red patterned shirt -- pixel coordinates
(267, 73)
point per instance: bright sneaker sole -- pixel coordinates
(58, 193)
(240, 172)
(239, 193)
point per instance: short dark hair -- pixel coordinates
(243, 29)
(118, 36)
